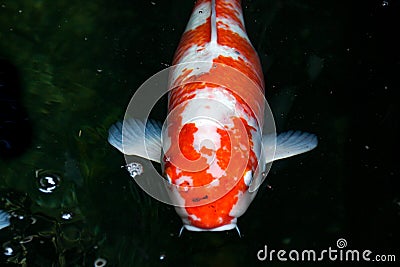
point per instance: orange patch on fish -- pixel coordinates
(233, 156)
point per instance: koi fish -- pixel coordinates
(212, 149)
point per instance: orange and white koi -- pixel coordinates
(213, 141)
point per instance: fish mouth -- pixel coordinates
(225, 227)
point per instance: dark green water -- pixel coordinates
(331, 68)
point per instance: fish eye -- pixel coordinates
(248, 177)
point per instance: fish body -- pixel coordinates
(206, 116)
(212, 146)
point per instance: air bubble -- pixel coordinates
(163, 256)
(18, 216)
(8, 251)
(47, 182)
(134, 169)
(11, 248)
(100, 262)
(67, 216)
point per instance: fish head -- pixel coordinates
(210, 164)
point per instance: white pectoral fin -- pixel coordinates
(290, 143)
(135, 137)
